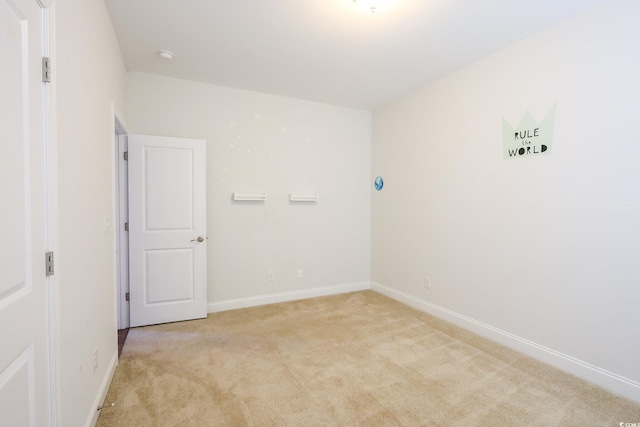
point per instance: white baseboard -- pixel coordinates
(615, 383)
(232, 304)
(92, 417)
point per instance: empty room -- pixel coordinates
(335, 212)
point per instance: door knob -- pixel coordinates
(200, 239)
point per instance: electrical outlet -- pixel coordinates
(271, 276)
(95, 360)
(427, 282)
(299, 272)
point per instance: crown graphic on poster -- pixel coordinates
(530, 137)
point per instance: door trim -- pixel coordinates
(52, 224)
(121, 240)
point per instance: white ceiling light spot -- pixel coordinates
(370, 5)
(165, 54)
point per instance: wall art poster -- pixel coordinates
(529, 138)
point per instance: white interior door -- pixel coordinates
(25, 396)
(167, 229)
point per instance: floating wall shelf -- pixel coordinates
(304, 197)
(250, 197)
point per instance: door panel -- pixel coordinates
(25, 397)
(169, 275)
(16, 391)
(167, 214)
(12, 156)
(169, 196)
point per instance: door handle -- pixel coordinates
(200, 239)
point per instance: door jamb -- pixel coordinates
(52, 224)
(121, 238)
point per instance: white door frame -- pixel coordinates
(121, 215)
(52, 225)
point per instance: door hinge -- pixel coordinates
(126, 296)
(126, 226)
(125, 155)
(48, 263)
(46, 69)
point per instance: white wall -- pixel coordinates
(88, 76)
(262, 143)
(545, 248)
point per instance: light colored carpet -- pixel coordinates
(357, 359)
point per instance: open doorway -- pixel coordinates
(122, 236)
(163, 254)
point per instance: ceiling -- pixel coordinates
(330, 51)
